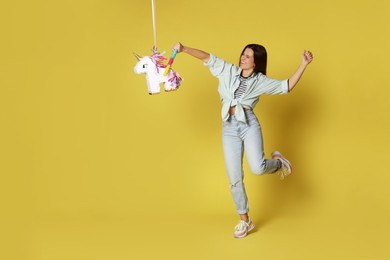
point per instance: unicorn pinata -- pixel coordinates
(155, 72)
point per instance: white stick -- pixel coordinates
(154, 26)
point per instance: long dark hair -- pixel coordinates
(259, 56)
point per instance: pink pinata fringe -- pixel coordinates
(175, 80)
(158, 60)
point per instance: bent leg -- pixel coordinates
(254, 148)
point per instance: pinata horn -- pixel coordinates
(137, 56)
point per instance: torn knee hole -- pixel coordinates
(235, 184)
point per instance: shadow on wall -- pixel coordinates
(295, 118)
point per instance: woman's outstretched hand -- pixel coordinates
(178, 46)
(307, 57)
(204, 56)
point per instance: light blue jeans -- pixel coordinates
(237, 137)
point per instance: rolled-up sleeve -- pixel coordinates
(273, 86)
(217, 66)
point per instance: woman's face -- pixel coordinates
(247, 61)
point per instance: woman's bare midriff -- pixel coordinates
(232, 110)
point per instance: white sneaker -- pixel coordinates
(286, 168)
(242, 229)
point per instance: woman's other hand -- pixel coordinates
(307, 57)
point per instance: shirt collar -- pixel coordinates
(237, 73)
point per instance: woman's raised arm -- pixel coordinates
(307, 57)
(204, 56)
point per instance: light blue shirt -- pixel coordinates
(229, 80)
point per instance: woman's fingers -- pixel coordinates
(178, 46)
(308, 56)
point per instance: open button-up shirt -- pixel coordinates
(229, 80)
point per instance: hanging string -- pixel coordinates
(154, 26)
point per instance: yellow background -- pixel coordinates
(92, 167)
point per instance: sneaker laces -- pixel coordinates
(242, 225)
(283, 171)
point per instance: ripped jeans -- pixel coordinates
(237, 136)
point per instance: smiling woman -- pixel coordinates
(240, 88)
(253, 59)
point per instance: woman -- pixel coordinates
(239, 88)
